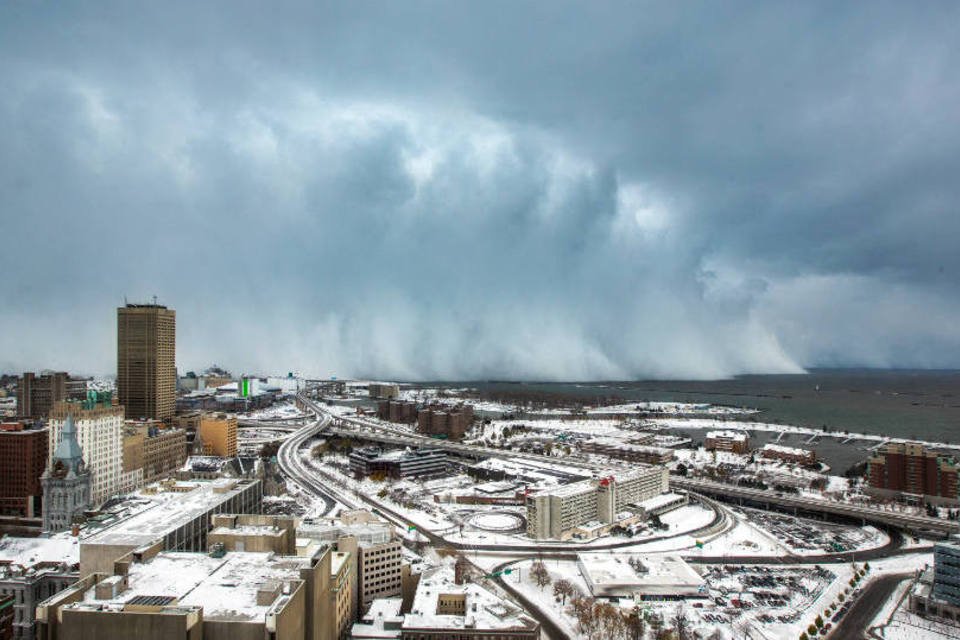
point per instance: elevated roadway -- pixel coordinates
(357, 427)
(865, 514)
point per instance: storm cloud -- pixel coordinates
(524, 190)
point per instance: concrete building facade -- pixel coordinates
(178, 519)
(229, 596)
(99, 427)
(445, 608)
(558, 512)
(146, 369)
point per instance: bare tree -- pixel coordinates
(563, 589)
(583, 612)
(635, 626)
(610, 622)
(540, 574)
(681, 624)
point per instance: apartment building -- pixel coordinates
(378, 568)
(23, 458)
(445, 421)
(788, 454)
(615, 448)
(146, 369)
(397, 411)
(727, 440)
(383, 390)
(99, 426)
(911, 468)
(218, 433)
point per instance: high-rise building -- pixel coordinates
(146, 369)
(99, 429)
(36, 395)
(559, 511)
(912, 468)
(218, 432)
(23, 458)
(66, 482)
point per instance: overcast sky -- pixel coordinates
(491, 189)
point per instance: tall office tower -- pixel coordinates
(37, 394)
(146, 371)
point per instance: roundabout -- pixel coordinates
(497, 522)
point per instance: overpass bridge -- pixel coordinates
(359, 428)
(746, 495)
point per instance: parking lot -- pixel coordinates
(772, 594)
(805, 536)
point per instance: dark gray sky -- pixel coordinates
(541, 190)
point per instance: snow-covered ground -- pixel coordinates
(284, 411)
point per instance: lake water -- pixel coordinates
(914, 404)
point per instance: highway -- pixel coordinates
(866, 514)
(289, 460)
(357, 427)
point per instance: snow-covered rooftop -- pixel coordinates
(226, 587)
(165, 511)
(626, 574)
(382, 620)
(27, 552)
(482, 609)
(792, 451)
(726, 434)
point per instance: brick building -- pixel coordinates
(629, 451)
(788, 454)
(152, 447)
(36, 395)
(23, 457)
(733, 441)
(912, 468)
(397, 411)
(448, 422)
(218, 432)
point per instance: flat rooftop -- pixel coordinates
(727, 435)
(28, 552)
(225, 587)
(154, 515)
(608, 574)
(382, 620)
(484, 610)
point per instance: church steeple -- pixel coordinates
(66, 482)
(68, 451)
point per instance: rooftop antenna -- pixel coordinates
(154, 300)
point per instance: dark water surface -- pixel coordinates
(919, 404)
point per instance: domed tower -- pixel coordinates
(66, 482)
